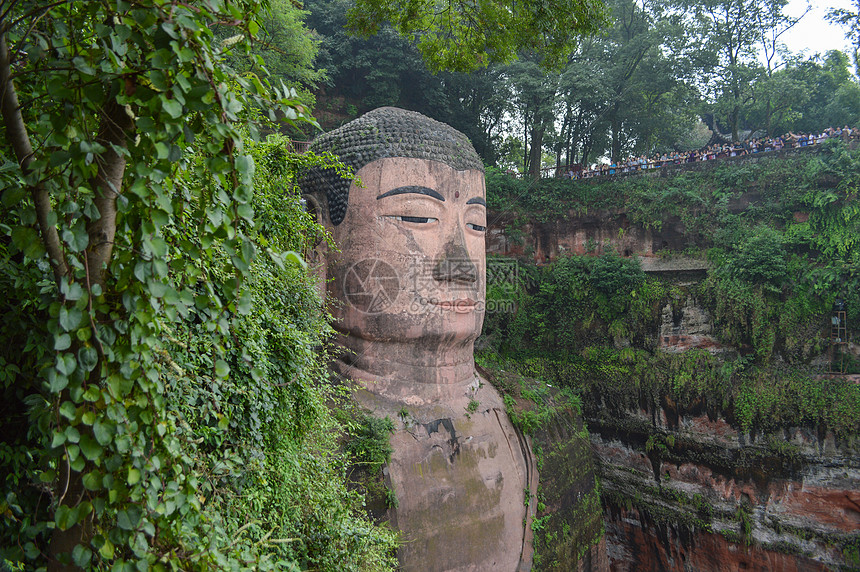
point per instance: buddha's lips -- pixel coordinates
(463, 305)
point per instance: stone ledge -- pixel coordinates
(673, 264)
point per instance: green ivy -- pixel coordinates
(163, 393)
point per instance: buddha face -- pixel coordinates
(412, 259)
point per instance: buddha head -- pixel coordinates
(410, 272)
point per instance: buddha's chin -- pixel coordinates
(447, 325)
(449, 329)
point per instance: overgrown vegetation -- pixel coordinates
(568, 520)
(773, 282)
(214, 447)
(756, 398)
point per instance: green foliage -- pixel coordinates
(702, 199)
(162, 396)
(466, 36)
(769, 293)
(851, 551)
(753, 398)
(612, 274)
(472, 407)
(580, 298)
(288, 51)
(761, 259)
(369, 444)
(531, 403)
(834, 219)
(743, 515)
(755, 306)
(642, 86)
(774, 279)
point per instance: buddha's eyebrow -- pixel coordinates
(412, 189)
(476, 201)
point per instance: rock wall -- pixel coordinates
(568, 523)
(593, 232)
(685, 490)
(579, 234)
(569, 530)
(687, 327)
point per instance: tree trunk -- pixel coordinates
(769, 118)
(113, 133)
(19, 139)
(733, 119)
(536, 151)
(615, 126)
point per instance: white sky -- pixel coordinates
(813, 33)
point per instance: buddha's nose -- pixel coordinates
(455, 265)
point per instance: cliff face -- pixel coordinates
(684, 490)
(585, 230)
(741, 456)
(579, 234)
(567, 524)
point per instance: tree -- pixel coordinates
(386, 69)
(535, 93)
(633, 40)
(122, 121)
(850, 18)
(462, 36)
(619, 93)
(726, 33)
(478, 104)
(777, 96)
(829, 86)
(286, 50)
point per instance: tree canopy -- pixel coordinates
(664, 75)
(463, 36)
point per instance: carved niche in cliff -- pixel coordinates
(410, 278)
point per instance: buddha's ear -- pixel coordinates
(314, 206)
(317, 249)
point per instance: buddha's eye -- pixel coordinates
(415, 219)
(476, 227)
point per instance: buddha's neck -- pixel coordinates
(443, 363)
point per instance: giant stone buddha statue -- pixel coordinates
(410, 277)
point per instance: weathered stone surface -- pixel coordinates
(578, 234)
(571, 535)
(658, 265)
(699, 495)
(409, 280)
(686, 490)
(413, 297)
(568, 524)
(459, 478)
(636, 541)
(687, 327)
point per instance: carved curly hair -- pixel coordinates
(378, 134)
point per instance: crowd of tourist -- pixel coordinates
(712, 152)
